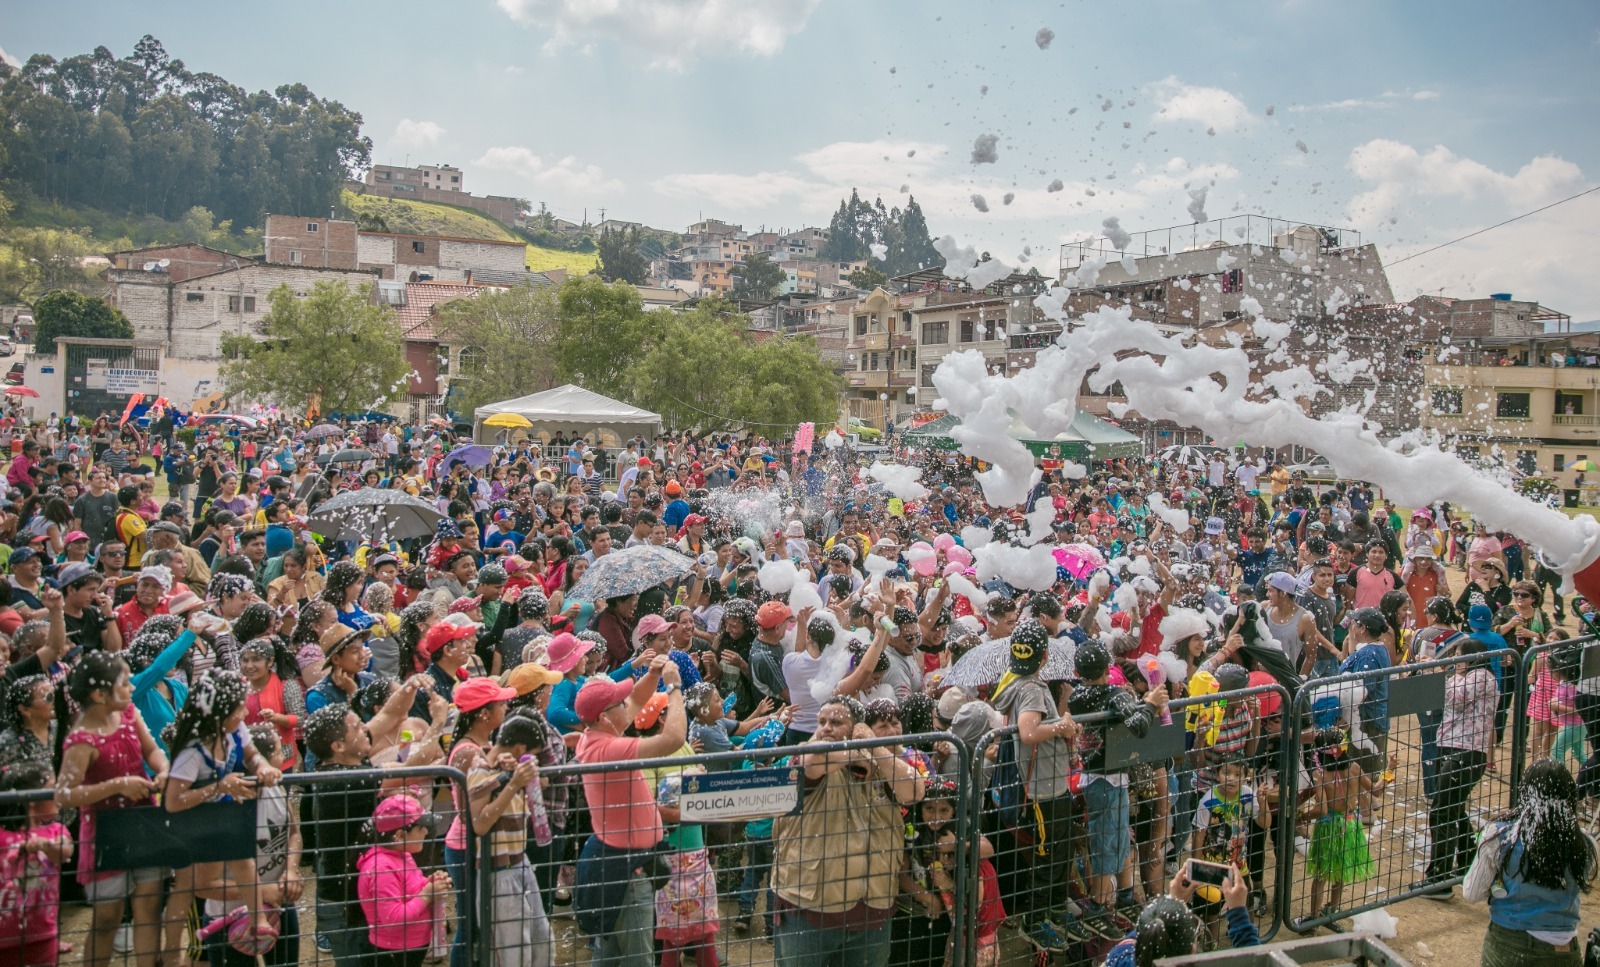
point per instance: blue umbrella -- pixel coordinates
(472, 455)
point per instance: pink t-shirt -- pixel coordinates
(1370, 587)
(621, 806)
(1567, 695)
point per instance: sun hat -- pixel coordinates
(183, 602)
(599, 694)
(339, 637)
(475, 693)
(566, 650)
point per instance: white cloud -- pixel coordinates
(513, 70)
(1212, 107)
(738, 192)
(1400, 173)
(1348, 104)
(669, 33)
(567, 174)
(416, 134)
(4, 56)
(871, 161)
(1413, 95)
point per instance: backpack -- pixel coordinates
(1005, 786)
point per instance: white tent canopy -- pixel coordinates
(570, 409)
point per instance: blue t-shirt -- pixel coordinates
(675, 514)
(496, 539)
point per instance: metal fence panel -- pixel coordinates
(107, 890)
(1162, 805)
(753, 889)
(1390, 817)
(1545, 726)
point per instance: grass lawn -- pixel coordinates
(434, 218)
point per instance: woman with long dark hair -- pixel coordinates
(1532, 866)
(1465, 738)
(345, 584)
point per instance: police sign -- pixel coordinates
(748, 794)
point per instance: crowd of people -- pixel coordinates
(206, 647)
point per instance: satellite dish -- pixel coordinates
(150, 266)
(164, 263)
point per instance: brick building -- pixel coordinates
(436, 258)
(325, 243)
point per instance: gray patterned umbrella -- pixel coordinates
(985, 664)
(629, 571)
(374, 514)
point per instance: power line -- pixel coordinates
(1496, 225)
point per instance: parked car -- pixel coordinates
(865, 430)
(14, 375)
(1317, 468)
(7, 347)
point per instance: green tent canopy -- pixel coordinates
(1088, 438)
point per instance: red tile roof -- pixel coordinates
(415, 318)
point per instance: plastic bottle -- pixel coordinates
(536, 811)
(405, 746)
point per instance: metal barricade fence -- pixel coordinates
(236, 882)
(1045, 892)
(754, 866)
(1550, 722)
(1385, 807)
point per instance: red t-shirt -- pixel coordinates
(622, 806)
(1150, 631)
(130, 618)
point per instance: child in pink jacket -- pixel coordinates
(397, 898)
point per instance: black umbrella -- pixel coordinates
(345, 456)
(370, 513)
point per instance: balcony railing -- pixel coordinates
(1575, 419)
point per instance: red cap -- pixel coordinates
(772, 614)
(396, 813)
(475, 693)
(440, 635)
(598, 694)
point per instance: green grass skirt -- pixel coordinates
(1339, 852)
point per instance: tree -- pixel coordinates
(707, 371)
(756, 278)
(333, 350)
(620, 260)
(506, 338)
(602, 328)
(866, 277)
(64, 313)
(912, 248)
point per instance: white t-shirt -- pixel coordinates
(1246, 475)
(800, 670)
(1215, 472)
(195, 765)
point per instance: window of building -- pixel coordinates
(968, 330)
(991, 330)
(936, 333)
(312, 228)
(1511, 405)
(249, 303)
(1558, 462)
(927, 373)
(861, 325)
(1528, 461)
(1469, 454)
(1569, 404)
(873, 365)
(194, 297)
(294, 258)
(233, 303)
(455, 179)
(419, 247)
(472, 360)
(1447, 402)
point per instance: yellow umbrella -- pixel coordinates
(508, 421)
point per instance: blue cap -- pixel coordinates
(1479, 617)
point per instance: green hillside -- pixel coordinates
(429, 218)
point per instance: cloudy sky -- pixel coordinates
(1412, 122)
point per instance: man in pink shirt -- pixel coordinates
(1375, 580)
(614, 899)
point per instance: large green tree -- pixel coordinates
(505, 338)
(756, 278)
(620, 259)
(65, 313)
(333, 348)
(602, 329)
(707, 370)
